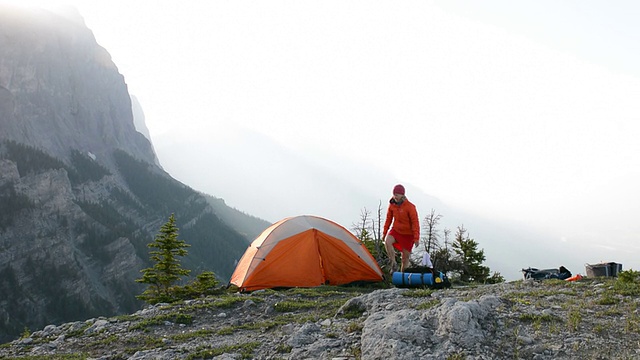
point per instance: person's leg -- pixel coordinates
(406, 261)
(388, 244)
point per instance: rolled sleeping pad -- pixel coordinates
(414, 279)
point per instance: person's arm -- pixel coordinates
(387, 223)
(415, 225)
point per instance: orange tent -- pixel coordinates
(304, 251)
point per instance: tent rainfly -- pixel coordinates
(304, 251)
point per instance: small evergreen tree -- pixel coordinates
(205, 284)
(166, 271)
(470, 258)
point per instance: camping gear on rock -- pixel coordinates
(575, 277)
(610, 269)
(304, 251)
(426, 260)
(420, 277)
(561, 273)
(539, 274)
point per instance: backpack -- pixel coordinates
(537, 274)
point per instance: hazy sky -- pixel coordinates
(527, 111)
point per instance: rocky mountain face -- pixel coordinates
(81, 191)
(59, 89)
(542, 320)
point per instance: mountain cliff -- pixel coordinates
(81, 191)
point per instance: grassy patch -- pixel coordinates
(626, 288)
(263, 326)
(600, 329)
(125, 318)
(222, 302)
(175, 317)
(607, 299)
(245, 350)
(613, 311)
(82, 356)
(228, 330)
(356, 352)
(352, 313)
(330, 290)
(78, 332)
(329, 307)
(283, 348)
(456, 356)
(427, 305)
(538, 318)
(574, 318)
(354, 326)
(104, 342)
(193, 334)
(632, 324)
(522, 301)
(418, 293)
(141, 343)
(294, 305)
(629, 276)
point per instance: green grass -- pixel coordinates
(262, 325)
(193, 334)
(632, 324)
(574, 318)
(352, 313)
(607, 299)
(283, 348)
(175, 317)
(125, 318)
(456, 356)
(535, 318)
(79, 331)
(604, 307)
(295, 305)
(418, 293)
(104, 342)
(328, 307)
(626, 288)
(354, 326)
(427, 305)
(82, 356)
(220, 302)
(226, 331)
(245, 350)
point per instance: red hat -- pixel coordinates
(398, 189)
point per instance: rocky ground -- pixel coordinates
(549, 319)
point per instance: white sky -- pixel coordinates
(527, 111)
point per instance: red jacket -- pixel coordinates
(405, 219)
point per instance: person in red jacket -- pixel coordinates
(402, 218)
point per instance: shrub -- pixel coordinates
(629, 276)
(167, 269)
